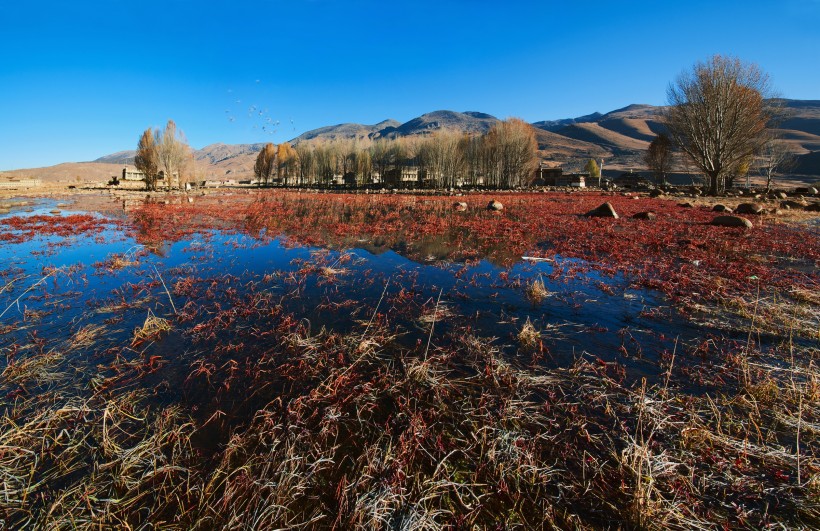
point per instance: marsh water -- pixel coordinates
(55, 286)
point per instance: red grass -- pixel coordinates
(679, 254)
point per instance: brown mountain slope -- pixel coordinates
(596, 134)
(70, 172)
(556, 147)
(636, 128)
(801, 142)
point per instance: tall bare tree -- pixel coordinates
(286, 159)
(659, 156)
(173, 152)
(512, 153)
(717, 115)
(265, 166)
(306, 162)
(147, 159)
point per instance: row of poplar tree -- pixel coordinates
(504, 157)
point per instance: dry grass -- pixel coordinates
(536, 291)
(528, 336)
(151, 329)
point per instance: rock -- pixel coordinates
(495, 206)
(56, 211)
(645, 215)
(460, 206)
(794, 204)
(603, 211)
(781, 195)
(720, 207)
(749, 208)
(656, 193)
(732, 221)
(686, 204)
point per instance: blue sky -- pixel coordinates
(79, 80)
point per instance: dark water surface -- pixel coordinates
(583, 314)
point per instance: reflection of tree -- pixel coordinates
(418, 230)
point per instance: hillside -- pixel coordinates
(467, 122)
(346, 131)
(619, 136)
(70, 172)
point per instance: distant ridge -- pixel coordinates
(346, 131)
(466, 122)
(619, 136)
(120, 157)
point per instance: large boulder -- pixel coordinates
(495, 206)
(604, 211)
(720, 207)
(732, 221)
(750, 208)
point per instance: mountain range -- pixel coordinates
(619, 137)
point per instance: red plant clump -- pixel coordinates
(19, 229)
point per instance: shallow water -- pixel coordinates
(584, 312)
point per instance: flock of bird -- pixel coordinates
(260, 117)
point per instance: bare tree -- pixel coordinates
(306, 161)
(265, 166)
(364, 164)
(774, 157)
(659, 157)
(325, 155)
(147, 159)
(718, 116)
(380, 157)
(173, 152)
(512, 153)
(287, 160)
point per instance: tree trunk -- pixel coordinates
(714, 185)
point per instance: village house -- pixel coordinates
(552, 175)
(11, 183)
(129, 174)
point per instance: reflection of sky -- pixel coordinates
(487, 298)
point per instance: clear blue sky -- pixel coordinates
(83, 79)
